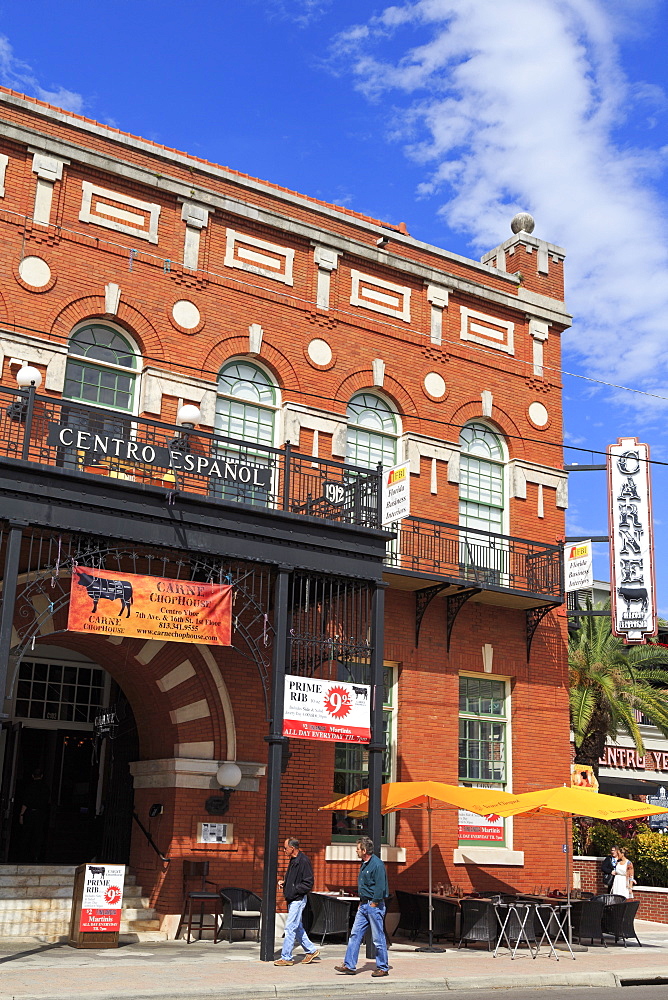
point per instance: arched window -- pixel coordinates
(246, 404)
(101, 368)
(373, 429)
(481, 479)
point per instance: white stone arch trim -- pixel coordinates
(225, 701)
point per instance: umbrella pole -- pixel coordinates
(568, 878)
(430, 946)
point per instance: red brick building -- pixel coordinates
(316, 343)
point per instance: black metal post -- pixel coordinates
(379, 495)
(287, 475)
(27, 427)
(275, 739)
(377, 744)
(14, 538)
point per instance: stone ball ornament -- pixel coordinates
(523, 222)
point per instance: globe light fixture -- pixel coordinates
(228, 777)
(188, 415)
(27, 375)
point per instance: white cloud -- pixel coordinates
(18, 75)
(519, 104)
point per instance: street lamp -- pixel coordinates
(28, 378)
(228, 777)
(187, 416)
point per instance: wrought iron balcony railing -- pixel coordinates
(95, 441)
(469, 557)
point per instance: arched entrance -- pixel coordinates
(71, 789)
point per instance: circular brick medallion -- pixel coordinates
(186, 314)
(35, 272)
(434, 385)
(538, 414)
(319, 352)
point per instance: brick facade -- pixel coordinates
(234, 294)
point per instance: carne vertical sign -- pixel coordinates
(632, 587)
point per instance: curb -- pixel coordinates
(401, 987)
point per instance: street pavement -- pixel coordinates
(174, 970)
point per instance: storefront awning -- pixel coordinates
(622, 784)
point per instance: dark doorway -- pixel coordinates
(87, 789)
(70, 776)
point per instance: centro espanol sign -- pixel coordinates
(112, 446)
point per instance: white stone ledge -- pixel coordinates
(487, 857)
(188, 772)
(347, 852)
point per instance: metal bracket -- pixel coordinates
(534, 617)
(423, 599)
(454, 604)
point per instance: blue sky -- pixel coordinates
(449, 115)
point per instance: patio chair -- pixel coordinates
(618, 920)
(198, 899)
(409, 913)
(443, 918)
(242, 911)
(586, 920)
(328, 915)
(608, 899)
(478, 922)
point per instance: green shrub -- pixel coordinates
(650, 859)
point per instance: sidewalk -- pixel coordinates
(173, 970)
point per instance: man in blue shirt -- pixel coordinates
(373, 890)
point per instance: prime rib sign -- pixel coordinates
(326, 710)
(632, 587)
(102, 901)
(149, 607)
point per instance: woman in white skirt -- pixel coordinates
(623, 882)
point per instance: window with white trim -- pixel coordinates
(246, 408)
(483, 557)
(373, 430)
(483, 731)
(351, 760)
(101, 368)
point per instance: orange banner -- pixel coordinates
(150, 607)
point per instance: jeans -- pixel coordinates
(295, 930)
(374, 917)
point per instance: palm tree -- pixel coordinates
(609, 683)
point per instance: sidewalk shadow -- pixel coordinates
(33, 951)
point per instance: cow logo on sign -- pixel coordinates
(632, 588)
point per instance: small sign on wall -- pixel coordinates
(578, 566)
(396, 493)
(214, 833)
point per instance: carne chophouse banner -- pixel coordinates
(632, 587)
(111, 446)
(149, 607)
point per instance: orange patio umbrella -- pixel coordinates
(429, 795)
(568, 802)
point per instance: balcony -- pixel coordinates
(91, 441)
(425, 556)
(513, 572)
